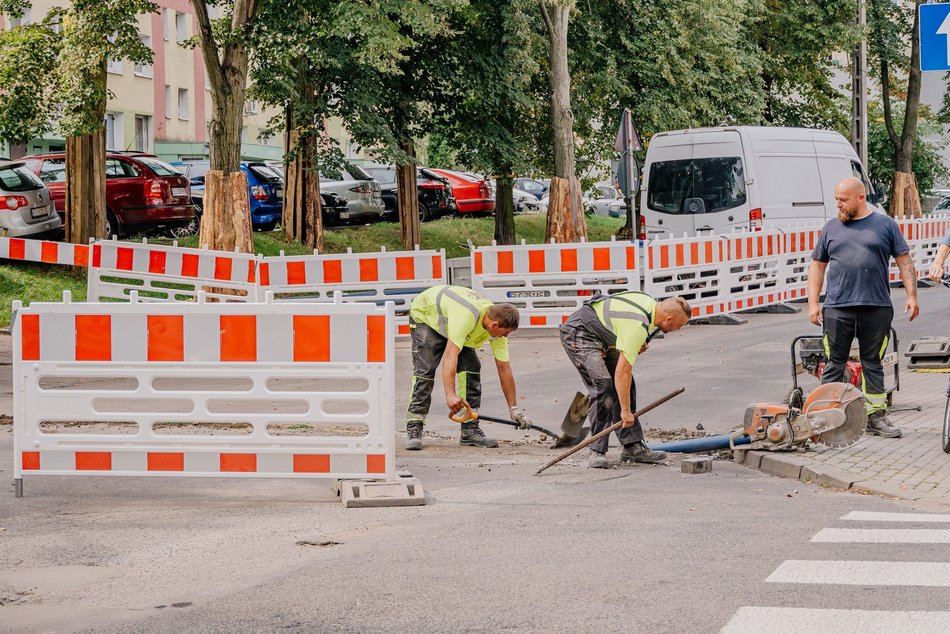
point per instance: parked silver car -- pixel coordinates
(26, 208)
(362, 193)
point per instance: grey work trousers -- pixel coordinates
(428, 346)
(597, 366)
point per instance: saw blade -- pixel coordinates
(851, 431)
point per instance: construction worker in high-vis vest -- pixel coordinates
(448, 324)
(603, 339)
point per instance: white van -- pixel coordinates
(717, 180)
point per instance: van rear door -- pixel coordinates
(696, 184)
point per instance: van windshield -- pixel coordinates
(719, 182)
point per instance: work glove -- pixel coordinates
(518, 416)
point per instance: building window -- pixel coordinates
(181, 26)
(168, 101)
(144, 70)
(114, 66)
(23, 20)
(183, 112)
(166, 17)
(245, 135)
(251, 107)
(114, 132)
(143, 133)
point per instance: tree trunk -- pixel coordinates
(905, 197)
(302, 218)
(86, 187)
(408, 198)
(504, 209)
(221, 228)
(566, 222)
(226, 68)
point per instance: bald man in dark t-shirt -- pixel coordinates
(856, 248)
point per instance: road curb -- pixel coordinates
(793, 467)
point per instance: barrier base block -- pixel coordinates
(405, 490)
(719, 320)
(781, 309)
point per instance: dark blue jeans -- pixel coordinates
(428, 346)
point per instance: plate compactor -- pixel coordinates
(833, 414)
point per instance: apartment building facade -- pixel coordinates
(163, 107)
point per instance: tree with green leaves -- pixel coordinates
(894, 31)
(70, 93)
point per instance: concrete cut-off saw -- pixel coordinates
(832, 415)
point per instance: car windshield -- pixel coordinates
(383, 175)
(264, 173)
(719, 182)
(357, 172)
(161, 168)
(944, 205)
(17, 178)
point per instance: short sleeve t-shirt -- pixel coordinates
(858, 254)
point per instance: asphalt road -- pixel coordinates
(632, 549)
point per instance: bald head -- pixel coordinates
(850, 199)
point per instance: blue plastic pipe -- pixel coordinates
(694, 445)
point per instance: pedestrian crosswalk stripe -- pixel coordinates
(883, 535)
(760, 620)
(870, 516)
(863, 573)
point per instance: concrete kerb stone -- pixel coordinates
(781, 465)
(886, 489)
(828, 477)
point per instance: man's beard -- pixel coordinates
(846, 216)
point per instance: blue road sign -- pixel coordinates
(935, 36)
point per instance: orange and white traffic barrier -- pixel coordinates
(691, 267)
(158, 388)
(753, 271)
(933, 229)
(396, 276)
(44, 251)
(169, 273)
(798, 245)
(548, 282)
(911, 230)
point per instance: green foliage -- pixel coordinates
(67, 71)
(796, 41)
(927, 163)
(440, 151)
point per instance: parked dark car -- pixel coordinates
(143, 193)
(434, 191)
(535, 187)
(265, 191)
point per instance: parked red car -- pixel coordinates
(472, 194)
(143, 193)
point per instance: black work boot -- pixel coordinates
(597, 460)
(880, 425)
(414, 435)
(473, 435)
(639, 452)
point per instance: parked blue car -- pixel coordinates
(265, 191)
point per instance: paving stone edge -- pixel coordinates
(794, 467)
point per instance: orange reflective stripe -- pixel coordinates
(17, 249)
(30, 460)
(238, 462)
(93, 337)
(375, 463)
(405, 268)
(601, 259)
(537, 320)
(238, 337)
(569, 260)
(49, 252)
(166, 337)
(478, 263)
(535, 261)
(123, 259)
(189, 265)
(156, 262)
(332, 272)
(265, 274)
(437, 266)
(222, 268)
(311, 463)
(30, 337)
(296, 273)
(166, 461)
(506, 262)
(631, 258)
(311, 338)
(369, 270)
(81, 255)
(93, 461)
(375, 339)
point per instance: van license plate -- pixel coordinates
(178, 192)
(889, 359)
(527, 294)
(39, 212)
